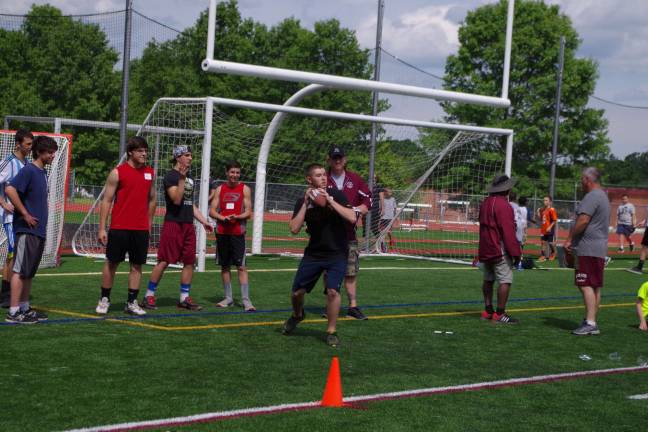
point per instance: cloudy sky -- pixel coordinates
(424, 32)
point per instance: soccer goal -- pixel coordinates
(437, 172)
(57, 177)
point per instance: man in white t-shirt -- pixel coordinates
(626, 221)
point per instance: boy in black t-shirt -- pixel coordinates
(178, 238)
(326, 250)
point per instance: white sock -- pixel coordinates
(24, 306)
(183, 296)
(13, 310)
(592, 323)
(150, 293)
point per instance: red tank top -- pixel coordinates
(231, 202)
(130, 210)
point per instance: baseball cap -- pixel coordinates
(336, 151)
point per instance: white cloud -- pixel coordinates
(68, 7)
(426, 35)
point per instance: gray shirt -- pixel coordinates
(594, 240)
(389, 208)
(625, 213)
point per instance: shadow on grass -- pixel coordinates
(303, 332)
(562, 324)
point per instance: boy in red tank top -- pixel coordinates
(231, 206)
(131, 186)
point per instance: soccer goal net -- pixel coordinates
(434, 179)
(57, 177)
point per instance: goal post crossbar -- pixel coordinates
(210, 64)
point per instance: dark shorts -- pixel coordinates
(549, 237)
(310, 270)
(625, 230)
(644, 239)
(11, 240)
(589, 271)
(231, 250)
(133, 242)
(29, 251)
(177, 243)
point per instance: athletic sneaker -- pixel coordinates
(355, 312)
(486, 316)
(552, 257)
(332, 340)
(607, 262)
(542, 259)
(20, 318)
(149, 303)
(504, 319)
(291, 323)
(134, 309)
(586, 329)
(248, 306)
(635, 270)
(189, 304)
(225, 303)
(40, 316)
(620, 249)
(631, 247)
(102, 306)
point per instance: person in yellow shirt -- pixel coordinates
(642, 306)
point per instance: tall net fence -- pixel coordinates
(57, 174)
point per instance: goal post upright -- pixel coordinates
(203, 199)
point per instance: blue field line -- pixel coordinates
(311, 310)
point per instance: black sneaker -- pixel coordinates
(39, 316)
(631, 247)
(504, 319)
(635, 270)
(355, 312)
(332, 340)
(291, 323)
(20, 318)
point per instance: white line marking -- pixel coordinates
(273, 409)
(639, 396)
(292, 269)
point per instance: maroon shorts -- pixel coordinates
(589, 271)
(177, 243)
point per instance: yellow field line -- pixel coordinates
(137, 323)
(115, 320)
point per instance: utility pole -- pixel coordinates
(374, 111)
(554, 148)
(123, 121)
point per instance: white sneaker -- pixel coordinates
(102, 306)
(248, 306)
(226, 302)
(134, 309)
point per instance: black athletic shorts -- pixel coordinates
(231, 250)
(644, 239)
(133, 242)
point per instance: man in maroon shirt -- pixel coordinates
(359, 197)
(499, 250)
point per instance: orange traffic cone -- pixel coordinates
(333, 391)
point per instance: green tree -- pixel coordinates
(477, 68)
(172, 68)
(56, 66)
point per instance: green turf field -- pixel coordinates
(77, 371)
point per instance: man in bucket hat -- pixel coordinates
(499, 250)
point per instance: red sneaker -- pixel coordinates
(486, 316)
(149, 303)
(189, 304)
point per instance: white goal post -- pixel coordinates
(210, 64)
(57, 178)
(212, 134)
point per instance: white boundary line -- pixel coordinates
(274, 409)
(639, 396)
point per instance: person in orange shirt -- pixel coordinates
(548, 217)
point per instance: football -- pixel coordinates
(318, 199)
